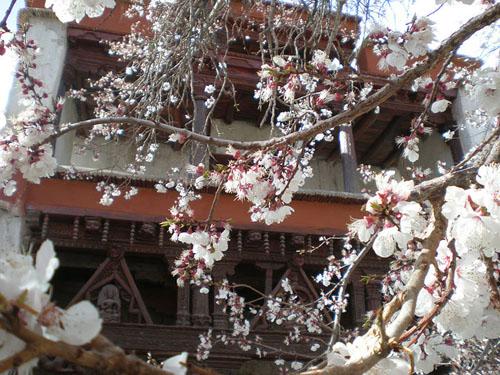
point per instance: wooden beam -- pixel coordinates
(389, 134)
(358, 128)
(457, 151)
(198, 150)
(365, 122)
(348, 158)
(229, 113)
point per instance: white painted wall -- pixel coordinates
(432, 149)
(11, 232)
(50, 36)
(470, 135)
(117, 155)
(64, 144)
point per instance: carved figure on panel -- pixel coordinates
(109, 303)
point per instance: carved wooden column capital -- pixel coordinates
(183, 316)
(358, 297)
(201, 312)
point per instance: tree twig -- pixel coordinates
(3, 22)
(343, 288)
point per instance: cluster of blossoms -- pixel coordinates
(331, 273)
(20, 144)
(429, 350)
(389, 213)
(268, 181)
(207, 243)
(234, 306)
(296, 83)
(24, 286)
(286, 310)
(484, 90)
(396, 48)
(474, 214)
(287, 77)
(206, 247)
(432, 349)
(76, 10)
(418, 128)
(473, 223)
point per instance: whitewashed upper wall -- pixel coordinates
(50, 36)
(469, 135)
(432, 148)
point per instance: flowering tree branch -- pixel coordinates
(346, 278)
(427, 320)
(385, 335)
(101, 355)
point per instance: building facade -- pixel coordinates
(120, 257)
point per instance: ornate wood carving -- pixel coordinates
(298, 240)
(111, 275)
(92, 224)
(160, 236)
(109, 303)
(239, 240)
(183, 317)
(219, 317)
(45, 226)
(267, 248)
(76, 225)
(282, 243)
(201, 313)
(132, 233)
(254, 236)
(105, 231)
(299, 281)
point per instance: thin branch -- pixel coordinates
(18, 359)
(343, 289)
(3, 23)
(492, 282)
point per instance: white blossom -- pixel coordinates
(440, 105)
(75, 10)
(176, 364)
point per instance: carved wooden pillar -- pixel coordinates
(201, 312)
(183, 317)
(199, 150)
(373, 296)
(348, 158)
(358, 298)
(219, 317)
